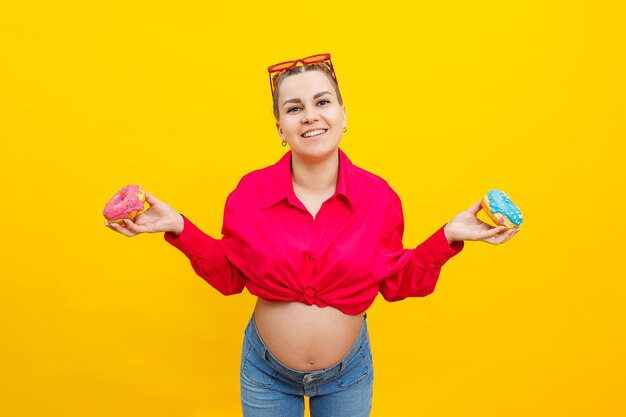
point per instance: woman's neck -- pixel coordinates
(318, 176)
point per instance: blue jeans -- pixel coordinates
(271, 389)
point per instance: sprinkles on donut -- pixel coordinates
(126, 204)
(501, 209)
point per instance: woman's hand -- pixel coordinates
(158, 218)
(466, 226)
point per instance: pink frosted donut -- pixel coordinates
(126, 204)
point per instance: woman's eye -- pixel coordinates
(289, 110)
(323, 101)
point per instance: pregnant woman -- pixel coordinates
(315, 238)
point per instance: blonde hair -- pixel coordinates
(324, 67)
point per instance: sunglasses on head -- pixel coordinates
(276, 69)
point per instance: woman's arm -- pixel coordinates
(414, 273)
(206, 254)
(208, 258)
(409, 272)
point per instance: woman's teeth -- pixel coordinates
(313, 133)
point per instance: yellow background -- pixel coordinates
(445, 100)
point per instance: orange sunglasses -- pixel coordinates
(313, 59)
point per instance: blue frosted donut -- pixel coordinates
(501, 209)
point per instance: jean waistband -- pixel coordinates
(306, 377)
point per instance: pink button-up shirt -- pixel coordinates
(342, 258)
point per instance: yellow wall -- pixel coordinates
(445, 100)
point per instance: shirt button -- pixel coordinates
(311, 258)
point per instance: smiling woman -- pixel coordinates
(311, 118)
(315, 238)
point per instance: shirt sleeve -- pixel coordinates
(410, 272)
(208, 256)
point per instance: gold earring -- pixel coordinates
(345, 129)
(284, 142)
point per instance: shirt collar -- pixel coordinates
(280, 187)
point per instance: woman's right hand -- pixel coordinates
(158, 218)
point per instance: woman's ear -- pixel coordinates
(279, 129)
(345, 119)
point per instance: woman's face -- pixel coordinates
(311, 119)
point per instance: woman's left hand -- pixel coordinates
(466, 226)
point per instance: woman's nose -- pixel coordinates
(309, 115)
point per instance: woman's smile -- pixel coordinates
(313, 134)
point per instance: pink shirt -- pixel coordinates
(352, 249)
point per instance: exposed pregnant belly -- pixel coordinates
(304, 337)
